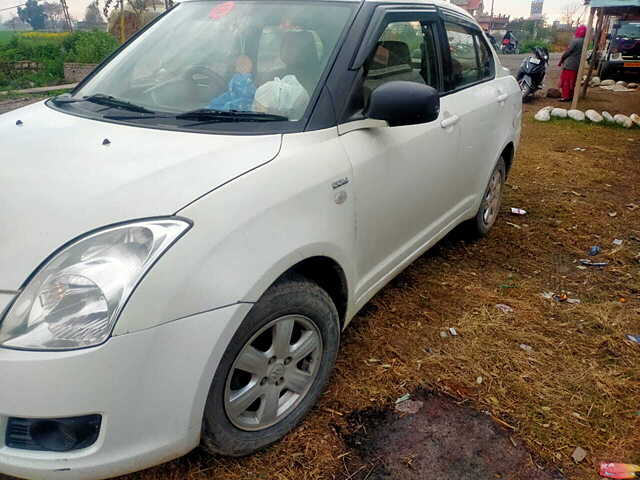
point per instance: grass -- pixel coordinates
(17, 96)
(5, 36)
(580, 383)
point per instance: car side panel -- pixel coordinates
(250, 231)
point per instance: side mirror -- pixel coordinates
(609, 37)
(404, 103)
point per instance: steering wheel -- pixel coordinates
(204, 76)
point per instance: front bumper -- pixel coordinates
(149, 386)
(623, 65)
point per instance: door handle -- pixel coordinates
(502, 98)
(450, 122)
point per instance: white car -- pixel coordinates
(186, 234)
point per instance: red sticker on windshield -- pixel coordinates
(221, 10)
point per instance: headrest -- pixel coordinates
(298, 46)
(398, 53)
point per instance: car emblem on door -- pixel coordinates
(339, 183)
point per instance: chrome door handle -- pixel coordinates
(450, 122)
(502, 98)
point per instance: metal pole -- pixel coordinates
(583, 58)
(491, 21)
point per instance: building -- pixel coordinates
(537, 6)
(474, 7)
(498, 22)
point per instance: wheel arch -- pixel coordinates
(328, 275)
(508, 153)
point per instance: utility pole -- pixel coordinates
(491, 21)
(67, 17)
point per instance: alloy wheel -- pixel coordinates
(273, 372)
(493, 199)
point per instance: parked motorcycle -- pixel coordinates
(532, 72)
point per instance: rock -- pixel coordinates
(593, 116)
(607, 83)
(632, 86)
(623, 121)
(544, 115)
(635, 118)
(620, 88)
(554, 93)
(608, 117)
(576, 115)
(559, 113)
(595, 82)
(578, 455)
(622, 83)
(410, 407)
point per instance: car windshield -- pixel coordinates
(629, 30)
(221, 62)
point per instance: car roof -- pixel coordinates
(437, 3)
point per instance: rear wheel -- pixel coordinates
(481, 224)
(525, 89)
(273, 370)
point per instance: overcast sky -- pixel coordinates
(515, 8)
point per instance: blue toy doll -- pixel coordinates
(241, 91)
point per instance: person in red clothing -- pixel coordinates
(570, 62)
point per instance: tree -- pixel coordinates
(54, 15)
(92, 15)
(33, 14)
(571, 13)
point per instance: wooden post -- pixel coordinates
(596, 52)
(583, 58)
(122, 36)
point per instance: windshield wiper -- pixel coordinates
(102, 99)
(206, 115)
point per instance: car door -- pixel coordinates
(478, 101)
(405, 178)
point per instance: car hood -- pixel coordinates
(58, 180)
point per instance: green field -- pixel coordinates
(5, 36)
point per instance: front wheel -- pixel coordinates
(274, 369)
(481, 224)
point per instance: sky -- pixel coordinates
(515, 8)
(521, 8)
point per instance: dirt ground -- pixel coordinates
(597, 98)
(549, 376)
(8, 105)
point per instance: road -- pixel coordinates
(512, 62)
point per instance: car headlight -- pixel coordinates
(73, 300)
(616, 56)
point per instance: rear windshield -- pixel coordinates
(264, 58)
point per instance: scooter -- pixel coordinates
(532, 72)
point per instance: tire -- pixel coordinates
(481, 225)
(230, 429)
